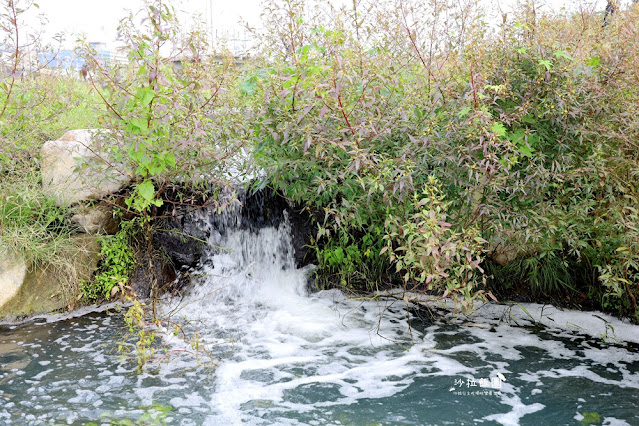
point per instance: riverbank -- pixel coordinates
(504, 165)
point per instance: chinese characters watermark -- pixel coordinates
(483, 386)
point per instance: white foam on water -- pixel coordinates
(595, 324)
(276, 343)
(84, 396)
(604, 356)
(252, 299)
(611, 421)
(41, 375)
(518, 411)
(630, 380)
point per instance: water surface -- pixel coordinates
(287, 357)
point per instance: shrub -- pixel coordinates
(521, 137)
(170, 107)
(117, 262)
(343, 128)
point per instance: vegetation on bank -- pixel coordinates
(443, 151)
(36, 107)
(436, 151)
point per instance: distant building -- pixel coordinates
(63, 60)
(26, 61)
(68, 59)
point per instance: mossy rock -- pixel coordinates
(54, 287)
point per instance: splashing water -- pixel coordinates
(289, 357)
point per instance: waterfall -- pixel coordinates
(285, 355)
(251, 306)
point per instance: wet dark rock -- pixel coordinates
(179, 228)
(263, 208)
(152, 272)
(182, 231)
(181, 237)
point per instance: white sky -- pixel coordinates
(98, 19)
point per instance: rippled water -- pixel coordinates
(286, 357)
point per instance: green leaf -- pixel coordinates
(145, 95)
(248, 86)
(517, 137)
(594, 62)
(546, 63)
(146, 190)
(463, 112)
(525, 149)
(170, 159)
(562, 54)
(526, 312)
(140, 123)
(498, 128)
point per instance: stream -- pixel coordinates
(284, 356)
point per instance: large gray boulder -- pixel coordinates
(77, 167)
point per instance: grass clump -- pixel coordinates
(36, 231)
(32, 226)
(545, 276)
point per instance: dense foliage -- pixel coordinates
(417, 131)
(169, 107)
(436, 150)
(118, 261)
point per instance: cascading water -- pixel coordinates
(285, 346)
(289, 357)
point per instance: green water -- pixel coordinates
(68, 372)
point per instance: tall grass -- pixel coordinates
(43, 107)
(32, 227)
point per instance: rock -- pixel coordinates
(53, 287)
(75, 168)
(153, 274)
(13, 270)
(504, 257)
(302, 233)
(182, 238)
(96, 219)
(502, 253)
